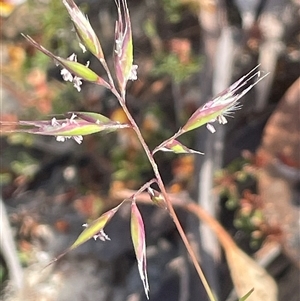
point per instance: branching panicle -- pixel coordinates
(85, 123)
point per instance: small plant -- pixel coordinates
(234, 183)
(78, 124)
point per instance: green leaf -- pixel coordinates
(139, 243)
(88, 123)
(224, 104)
(95, 227)
(75, 68)
(244, 298)
(157, 198)
(81, 129)
(123, 52)
(176, 147)
(92, 117)
(84, 29)
(79, 69)
(208, 113)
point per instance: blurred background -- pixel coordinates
(249, 179)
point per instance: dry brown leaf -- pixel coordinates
(246, 273)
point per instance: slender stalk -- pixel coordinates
(162, 188)
(144, 187)
(177, 134)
